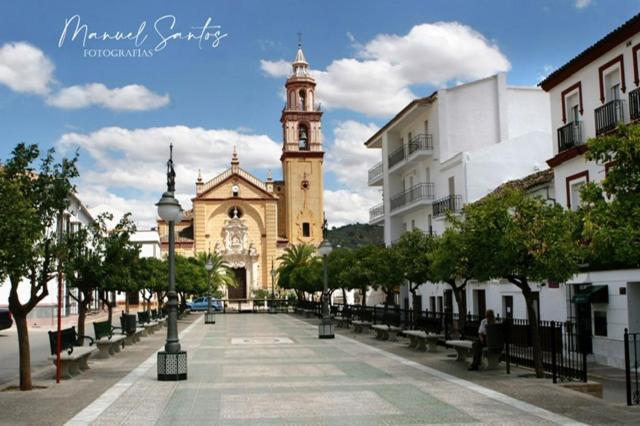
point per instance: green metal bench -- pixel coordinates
(73, 358)
(107, 342)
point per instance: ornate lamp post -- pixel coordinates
(172, 362)
(272, 307)
(209, 317)
(325, 329)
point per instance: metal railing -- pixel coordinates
(375, 172)
(376, 212)
(421, 191)
(634, 104)
(450, 203)
(570, 135)
(609, 115)
(420, 142)
(396, 156)
(631, 359)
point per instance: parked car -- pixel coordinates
(5, 319)
(201, 304)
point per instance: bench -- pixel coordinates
(492, 352)
(383, 332)
(107, 342)
(144, 318)
(342, 322)
(422, 340)
(73, 358)
(361, 326)
(129, 326)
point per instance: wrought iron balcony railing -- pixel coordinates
(570, 135)
(421, 191)
(634, 104)
(452, 203)
(376, 212)
(420, 143)
(396, 156)
(375, 172)
(609, 115)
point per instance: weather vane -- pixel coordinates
(299, 39)
(171, 173)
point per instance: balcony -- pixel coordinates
(569, 136)
(634, 104)
(418, 146)
(413, 195)
(376, 214)
(609, 115)
(450, 203)
(375, 175)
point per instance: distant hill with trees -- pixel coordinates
(356, 235)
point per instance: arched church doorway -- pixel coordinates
(239, 292)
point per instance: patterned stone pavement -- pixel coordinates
(273, 370)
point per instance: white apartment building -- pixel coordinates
(589, 96)
(75, 217)
(451, 148)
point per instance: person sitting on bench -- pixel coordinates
(481, 341)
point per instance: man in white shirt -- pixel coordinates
(481, 341)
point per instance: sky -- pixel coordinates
(120, 102)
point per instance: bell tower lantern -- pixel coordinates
(302, 155)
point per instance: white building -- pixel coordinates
(74, 218)
(149, 242)
(589, 96)
(451, 148)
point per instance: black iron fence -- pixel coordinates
(563, 348)
(631, 349)
(450, 203)
(609, 115)
(634, 104)
(421, 191)
(570, 135)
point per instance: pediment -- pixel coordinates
(223, 185)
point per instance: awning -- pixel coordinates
(592, 294)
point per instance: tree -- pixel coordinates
(292, 258)
(522, 239)
(340, 260)
(150, 274)
(30, 201)
(453, 264)
(413, 251)
(358, 273)
(120, 258)
(384, 268)
(308, 278)
(610, 209)
(84, 265)
(221, 273)
(191, 277)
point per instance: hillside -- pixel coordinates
(355, 235)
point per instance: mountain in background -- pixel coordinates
(356, 235)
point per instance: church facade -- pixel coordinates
(249, 221)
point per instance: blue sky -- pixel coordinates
(371, 58)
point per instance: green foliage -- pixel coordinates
(120, 258)
(451, 258)
(413, 251)
(308, 278)
(294, 257)
(339, 261)
(610, 212)
(191, 276)
(221, 274)
(356, 235)
(384, 271)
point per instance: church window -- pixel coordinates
(235, 212)
(305, 184)
(306, 229)
(303, 100)
(303, 138)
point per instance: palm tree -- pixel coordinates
(221, 274)
(294, 257)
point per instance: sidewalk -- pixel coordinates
(272, 369)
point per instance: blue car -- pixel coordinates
(201, 304)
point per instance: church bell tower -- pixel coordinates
(302, 156)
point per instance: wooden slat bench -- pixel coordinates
(386, 332)
(107, 342)
(73, 358)
(422, 340)
(361, 326)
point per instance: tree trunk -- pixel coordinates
(523, 284)
(460, 295)
(364, 297)
(25, 352)
(82, 315)
(344, 297)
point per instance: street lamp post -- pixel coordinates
(209, 317)
(325, 329)
(272, 307)
(172, 362)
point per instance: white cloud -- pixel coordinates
(344, 206)
(133, 97)
(24, 68)
(378, 80)
(132, 163)
(581, 4)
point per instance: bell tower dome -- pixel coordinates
(302, 155)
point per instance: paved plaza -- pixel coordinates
(272, 369)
